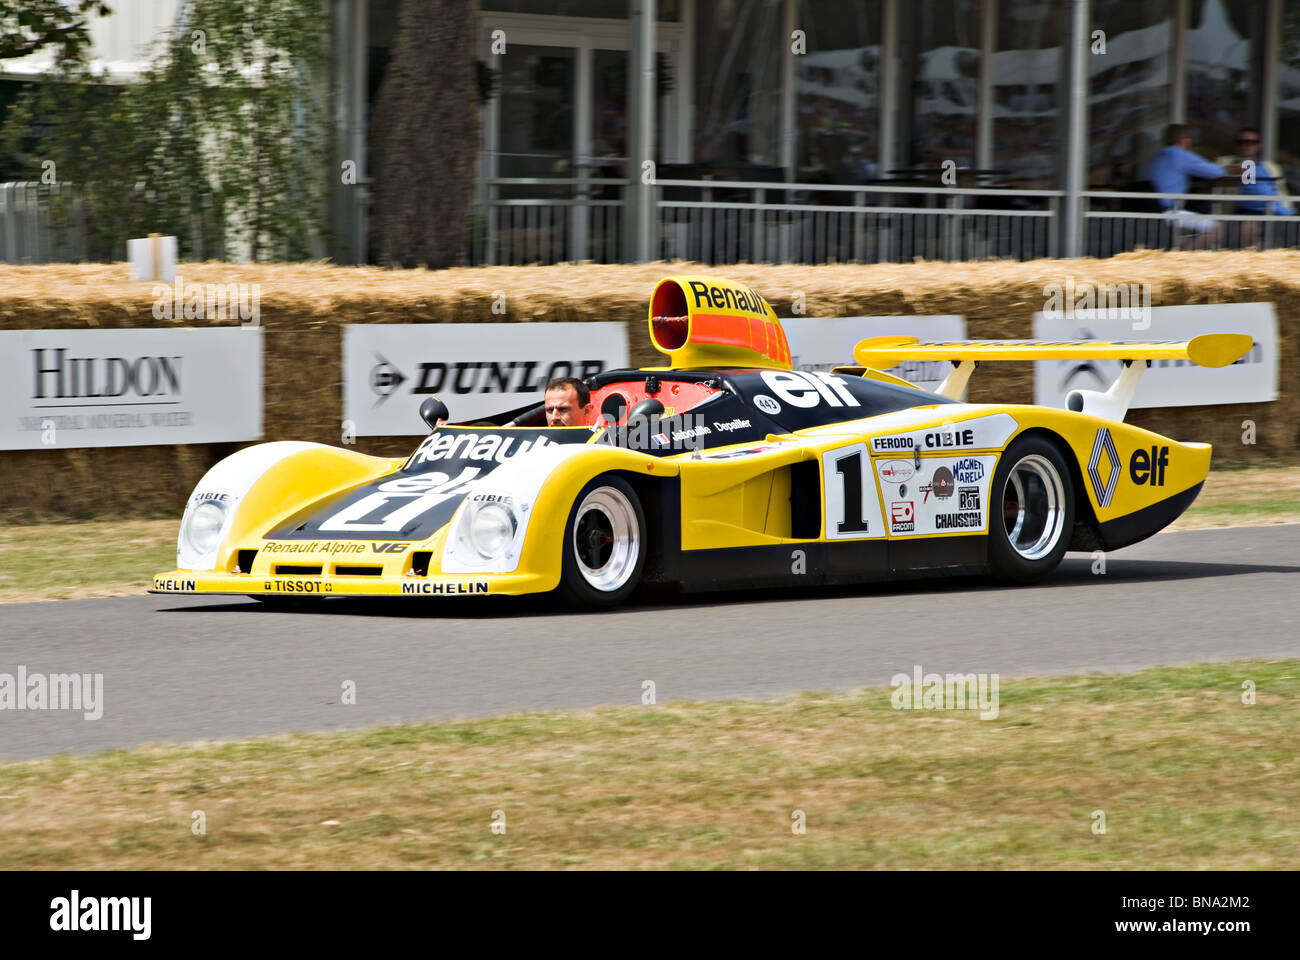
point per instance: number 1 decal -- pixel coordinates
(395, 503)
(852, 503)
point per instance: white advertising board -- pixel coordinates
(477, 369)
(820, 343)
(118, 388)
(1166, 383)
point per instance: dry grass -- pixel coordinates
(1188, 777)
(1251, 496)
(51, 561)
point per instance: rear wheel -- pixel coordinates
(604, 544)
(1031, 515)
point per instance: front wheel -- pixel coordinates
(1031, 515)
(604, 544)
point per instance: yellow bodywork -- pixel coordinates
(727, 497)
(724, 503)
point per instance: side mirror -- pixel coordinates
(647, 408)
(434, 412)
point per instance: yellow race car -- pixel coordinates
(724, 468)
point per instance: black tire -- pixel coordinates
(604, 544)
(1031, 511)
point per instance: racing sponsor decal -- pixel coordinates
(174, 586)
(395, 504)
(767, 404)
(1103, 445)
(426, 588)
(892, 443)
(941, 484)
(747, 452)
(731, 425)
(942, 505)
(852, 505)
(989, 432)
(1148, 468)
(967, 470)
(486, 447)
(216, 497)
(297, 586)
(808, 389)
(940, 439)
(895, 471)
(902, 517)
(331, 547)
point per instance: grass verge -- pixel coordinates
(98, 558)
(1186, 775)
(1245, 496)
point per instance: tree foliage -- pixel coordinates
(30, 26)
(222, 139)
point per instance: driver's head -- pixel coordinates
(568, 402)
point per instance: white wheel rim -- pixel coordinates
(606, 540)
(1033, 507)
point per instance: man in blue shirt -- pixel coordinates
(1248, 149)
(1170, 172)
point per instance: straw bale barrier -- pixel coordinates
(304, 306)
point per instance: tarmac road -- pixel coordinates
(182, 669)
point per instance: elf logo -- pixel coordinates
(1149, 468)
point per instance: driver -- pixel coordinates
(568, 403)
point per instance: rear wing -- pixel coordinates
(1208, 350)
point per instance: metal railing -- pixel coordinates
(728, 222)
(506, 228)
(524, 220)
(830, 223)
(1136, 221)
(27, 230)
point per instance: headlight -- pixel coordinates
(491, 529)
(203, 531)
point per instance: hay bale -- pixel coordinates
(303, 309)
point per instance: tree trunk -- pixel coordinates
(426, 138)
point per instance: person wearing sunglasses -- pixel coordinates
(1253, 175)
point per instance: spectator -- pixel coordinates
(1170, 172)
(1266, 182)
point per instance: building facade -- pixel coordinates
(842, 130)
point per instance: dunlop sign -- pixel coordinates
(477, 369)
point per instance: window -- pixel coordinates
(1129, 91)
(939, 46)
(837, 91)
(1287, 152)
(738, 64)
(1026, 75)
